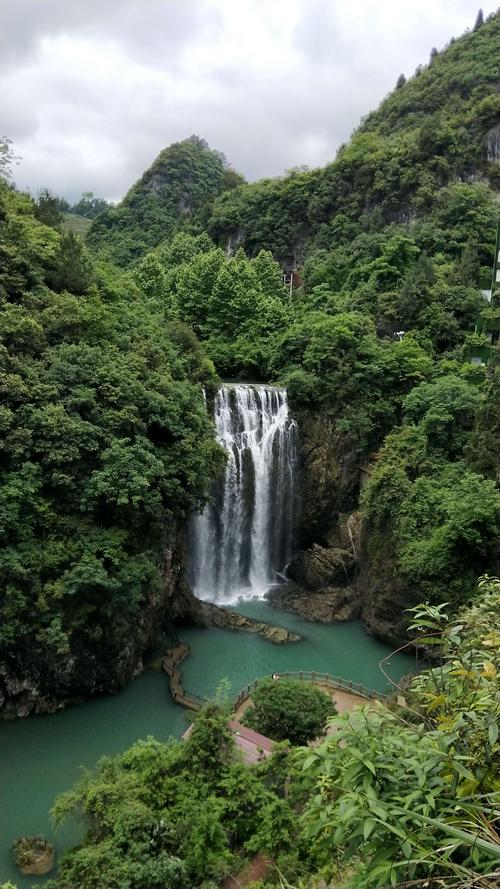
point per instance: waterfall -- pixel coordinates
(242, 541)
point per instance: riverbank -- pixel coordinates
(42, 755)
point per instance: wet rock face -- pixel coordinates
(214, 616)
(383, 593)
(329, 477)
(319, 567)
(341, 572)
(325, 606)
(34, 856)
(493, 145)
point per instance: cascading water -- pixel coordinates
(242, 541)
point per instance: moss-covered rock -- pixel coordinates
(329, 476)
(34, 855)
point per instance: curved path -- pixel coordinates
(346, 695)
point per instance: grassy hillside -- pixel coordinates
(79, 225)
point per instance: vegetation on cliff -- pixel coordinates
(436, 519)
(176, 191)
(106, 447)
(429, 132)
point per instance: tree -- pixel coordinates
(469, 268)
(7, 158)
(152, 279)
(288, 709)
(90, 206)
(48, 209)
(172, 816)
(73, 268)
(400, 81)
(479, 20)
(445, 410)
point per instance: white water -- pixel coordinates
(242, 541)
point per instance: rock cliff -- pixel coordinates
(339, 571)
(32, 683)
(97, 666)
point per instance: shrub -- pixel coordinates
(288, 709)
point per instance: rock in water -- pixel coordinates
(231, 620)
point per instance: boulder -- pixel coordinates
(34, 855)
(319, 566)
(326, 606)
(231, 620)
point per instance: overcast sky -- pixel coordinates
(92, 90)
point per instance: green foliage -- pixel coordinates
(483, 449)
(7, 158)
(338, 361)
(89, 206)
(48, 209)
(72, 267)
(106, 449)
(428, 132)
(288, 709)
(413, 793)
(234, 305)
(183, 180)
(439, 519)
(171, 816)
(445, 411)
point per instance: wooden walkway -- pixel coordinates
(345, 695)
(173, 657)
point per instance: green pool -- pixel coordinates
(43, 755)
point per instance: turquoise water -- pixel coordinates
(344, 650)
(41, 756)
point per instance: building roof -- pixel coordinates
(255, 747)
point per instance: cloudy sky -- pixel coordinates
(92, 90)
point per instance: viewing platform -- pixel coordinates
(345, 694)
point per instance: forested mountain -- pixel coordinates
(394, 240)
(440, 126)
(107, 450)
(178, 188)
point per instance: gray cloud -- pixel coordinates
(91, 92)
(148, 28)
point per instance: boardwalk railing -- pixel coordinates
(335, 682)
(170, 662)
(174, 656)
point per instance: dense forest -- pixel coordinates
(106, 346)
